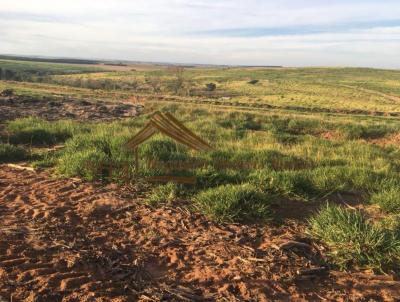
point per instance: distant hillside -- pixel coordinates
(50, 60)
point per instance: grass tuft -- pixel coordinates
(163, 194)
(354, 241)
(234, 203)
(388, 200)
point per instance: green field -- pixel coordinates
(303, 135)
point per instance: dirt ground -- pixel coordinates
(55, 109)
(67, 240)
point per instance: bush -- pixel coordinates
(11, 153)
(388, 200)
(163, 194)
(234, 203)
(353, 241)
(211, 86)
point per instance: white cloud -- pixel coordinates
(157, 30)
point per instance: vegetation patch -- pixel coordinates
(388, 199)
(234, 203)
(354, 241)
(163, 194)
(35, 131)
(11, 153)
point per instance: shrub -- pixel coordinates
(388, 200)
(11, 153)
(352, 240)
(234, 203)
(211, 86)
(163, 194)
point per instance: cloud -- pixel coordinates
(281, 32)
(297, 30)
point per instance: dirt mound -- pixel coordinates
(66, 240)
(55, 109)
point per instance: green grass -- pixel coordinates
(388, 199)
(301, 133)
(35, 131)
(234, 203)
(41, 68)
(11, 153)
(354, 241)
(163, 194)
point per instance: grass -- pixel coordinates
(302, 133)
(40, 68)
(388, 199)
(354, 241)
(35, 131)
(234, 203)
(11, 153)
(163, 194)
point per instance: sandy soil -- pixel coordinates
(55, 109)
(67, 240)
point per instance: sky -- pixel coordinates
(237, 32)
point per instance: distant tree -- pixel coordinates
(211, 86)
(9, 74)
(177, 84)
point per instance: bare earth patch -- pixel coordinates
(67, 240)
(386, 141)
(55, 109)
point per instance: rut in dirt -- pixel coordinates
(67, 240)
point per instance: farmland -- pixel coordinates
(298, 199)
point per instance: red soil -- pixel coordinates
(67, 240)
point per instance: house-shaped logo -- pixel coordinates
(167, 124)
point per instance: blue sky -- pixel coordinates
(252, 32)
